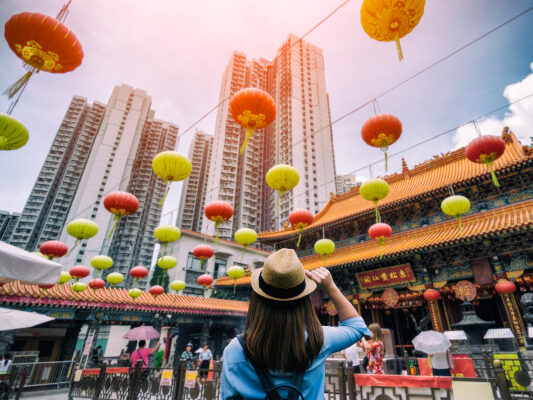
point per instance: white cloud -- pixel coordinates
(519, 118)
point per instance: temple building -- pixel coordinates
(426, 250)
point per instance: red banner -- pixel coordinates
(117, 370)
(438, 382)
(389, 276)
(464, 367)
(93, 371)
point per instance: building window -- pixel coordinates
(220, 267)
(194, 263)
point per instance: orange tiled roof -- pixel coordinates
(63, 296)
(432, 175)
(513, 217)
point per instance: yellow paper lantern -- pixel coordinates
(374, 190)
(456, 206)
(167, 234)
(114, 278)
(134, 293)
(171, 166)
(101, 262)
(166, 262)
(13, 135)
(386, 20)
(79, 287)
(324, 247)
(245, 237)
(64, 277)
(235, 273)
(81, 229)
(177, 285)
(282, 178)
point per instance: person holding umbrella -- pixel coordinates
(436, 345)
(142, 353)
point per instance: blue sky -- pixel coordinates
(177, 51)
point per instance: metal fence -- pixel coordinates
(53, 373)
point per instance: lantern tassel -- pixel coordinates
(386, 162)
(281, 195)
(243, 251)
(399, 48)
(324, 257)
(299, 238)
(73, 247)
(234, 285)
(164, 249)
(381, 242)
(217, 224)
(377, 214)
(493, 174)
(460, 226)
(12, 90)
(162, 201)
(113, 229)
(249, 133)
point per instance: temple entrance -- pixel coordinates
(403, 323)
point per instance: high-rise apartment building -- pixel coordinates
(99, 149)
(345, 183)
(192, 201)
(8, 221)
(48, 205)
(121, 159)
(300, 136)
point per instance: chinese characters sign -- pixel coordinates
(436, 319)
(390, 297)
(386, 276)
(513, 314)
(465, 290)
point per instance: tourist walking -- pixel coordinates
(204, 359)
(374, 349)
(5, 364)
(188, 357)
(441, 363)
(142, 353)
(284, 343)
(352, 354)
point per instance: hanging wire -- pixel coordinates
(477, 127)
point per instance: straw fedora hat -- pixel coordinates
(282, 278)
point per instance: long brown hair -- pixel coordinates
(376, 330)
(275, 334)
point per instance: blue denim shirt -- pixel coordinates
(239, 377)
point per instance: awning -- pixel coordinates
(499, 333)
(21, 265)
(14, 319)
(455, 335)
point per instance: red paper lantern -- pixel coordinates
(485, 150)
(218, 212)
(381, 131)
(79, 272)
(203, 252)
(43, 43)
(138, 272)
(46, 287)
(156, 290)
(504, 286)
(205, 280)
(380, 232)
(431, 294)
(252, 109)
(300, 219)
(53, 249)
(120, 204)
(96, 284)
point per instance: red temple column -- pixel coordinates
(433, 296)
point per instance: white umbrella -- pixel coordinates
(14, 319)
(21, 265)
(199, 350)
(431, 342)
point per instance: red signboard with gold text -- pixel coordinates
(389, 276)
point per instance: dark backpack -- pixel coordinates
(293, 389)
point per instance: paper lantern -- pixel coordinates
(282, 178)
(431, 295)
(252, 109)
(79, 287)
(485, 150)
(13, 135)
(374, 190)
(324, 247)
(167, 234)
(235, 273)
(505, 286)
(203, 252)
(171, 166)
(218, 212)
(177, 285)
(156, 290)
(53, 249)
(79, 272)
(381, 131)
(166, 262)
(44, 288)
(96, 284)
(300, 219)
(205, 280)
(101, 262)
(120, 204)
(134, 293)
(456, 206)
(245, 237)
(380, 232)
(64, 277)
(114, 278)
(386, 20)
(81, 229)
(42, 42)
(138, 273)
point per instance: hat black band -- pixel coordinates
(280, 293)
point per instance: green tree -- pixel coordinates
(160, 277)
